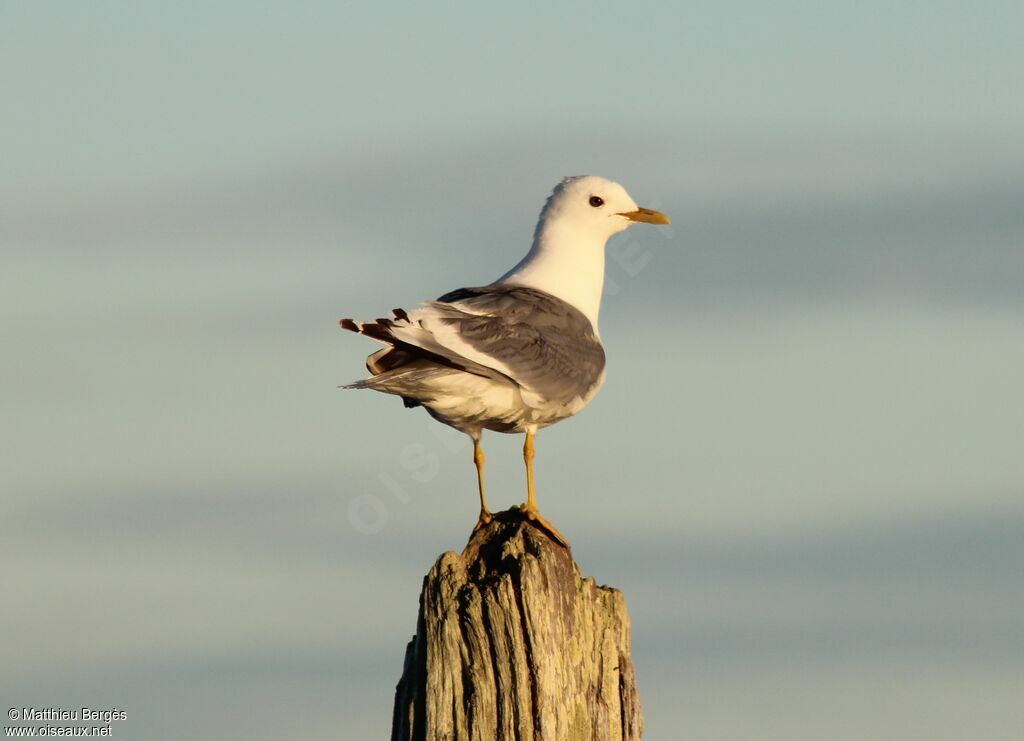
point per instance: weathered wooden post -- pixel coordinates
(512, 643)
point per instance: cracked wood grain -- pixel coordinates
(513, 644)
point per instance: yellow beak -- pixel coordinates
(647, 215)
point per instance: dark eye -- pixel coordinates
(596, 201)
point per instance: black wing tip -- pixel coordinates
(379, 324)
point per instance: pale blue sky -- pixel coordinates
(124, 94)
(803, 471)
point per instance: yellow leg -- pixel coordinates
(530, 508)
(478, 459)
(531, 494)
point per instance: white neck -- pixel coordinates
(566, 264)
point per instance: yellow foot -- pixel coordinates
(485, 519)
(533, 515)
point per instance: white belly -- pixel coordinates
(471, 403)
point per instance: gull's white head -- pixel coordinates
(567, 256)
(593, 208)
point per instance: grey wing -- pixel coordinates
(544, 344)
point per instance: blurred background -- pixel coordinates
(804, 471)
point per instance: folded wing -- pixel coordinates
(540, 343)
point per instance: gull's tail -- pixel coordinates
(403, 368)
(391, 356)
(408, 341)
